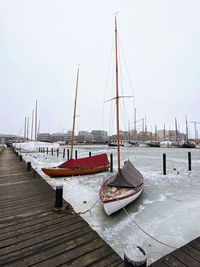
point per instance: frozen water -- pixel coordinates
(168, 209)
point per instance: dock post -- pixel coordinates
(28, 166)
(16, 153)
(67, 154)
(135, 256)
(47, 150)
(64, 153)
(52, 151)
(75, 154)
(39, 149)
(59, 196)
(57, 152)
(20, 158)
(164, 164)
(90, 154)
(111, 162)
(189, 161)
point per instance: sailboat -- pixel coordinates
(125, 186)
(88, 165)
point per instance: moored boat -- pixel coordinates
(82, 166)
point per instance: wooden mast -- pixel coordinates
(186, 128)
(36, 122)
(75, 101)
(25, 130)
(164, 133)
(117, 100)
(32, 125)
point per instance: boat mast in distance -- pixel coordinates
(74, 117)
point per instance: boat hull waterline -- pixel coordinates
(60, 172)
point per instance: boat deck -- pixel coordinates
(31, 233)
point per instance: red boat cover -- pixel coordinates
(86, 163)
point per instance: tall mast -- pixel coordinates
(155, 132)
(36, 121)
(117, 99)
(32, 125)
(186, 129)
(135, 124)
(74, 114)
(25, 130)
(143, 130)
(176, 130)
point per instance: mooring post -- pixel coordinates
(67, 154)
(111, 162)
(39, 149)
(75, 154)
(90, 154)
(164, 164)
(47, 150)
(57, 152)
(189, 161)
(28, 166)
(16, 153)
(135, 256)
(59, 196)
(20, 158)
(64, 153)
(52, 151)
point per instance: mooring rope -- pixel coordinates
(155, 239)
(89, 210)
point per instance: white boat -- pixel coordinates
(125, 186)
(116, 197)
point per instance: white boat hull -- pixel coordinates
(111, 207)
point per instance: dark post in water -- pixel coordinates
(64, 153)
(47, 150)
(164, 164)
(59, 197)
(20, 157)
(90, 154)
(52, 151)
(111, 162)
(57, 152)
(189, 161)
(75, 154)
(67, 154)
(28, 166)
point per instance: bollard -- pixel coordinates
(64, 153)
(189, 161)
(164, 164)
(59, 197)
(16, 153)
(43, 149)
(135, 256)
(57, 152)
(47, 150)
(67, 154)
(90, 154)
(75, 154)
(39, 149)
(28, 166)
(52, 151)
(111, 162)
(20, 158)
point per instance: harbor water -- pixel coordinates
(168, 209)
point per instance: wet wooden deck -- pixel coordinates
(187, 255)
(31, 233)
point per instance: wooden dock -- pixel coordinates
(31, 233)
(187, 255)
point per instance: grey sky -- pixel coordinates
(42, 43)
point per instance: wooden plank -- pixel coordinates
(32, 233)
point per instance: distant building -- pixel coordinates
(57, 137)
(44, 137)
(84, 137)
(100, 136)
(9, 137)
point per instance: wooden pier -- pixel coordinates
(32, 233)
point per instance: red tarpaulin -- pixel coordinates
(86, 163)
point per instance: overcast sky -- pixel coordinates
(42, 42)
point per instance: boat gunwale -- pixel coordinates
(140, 188)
